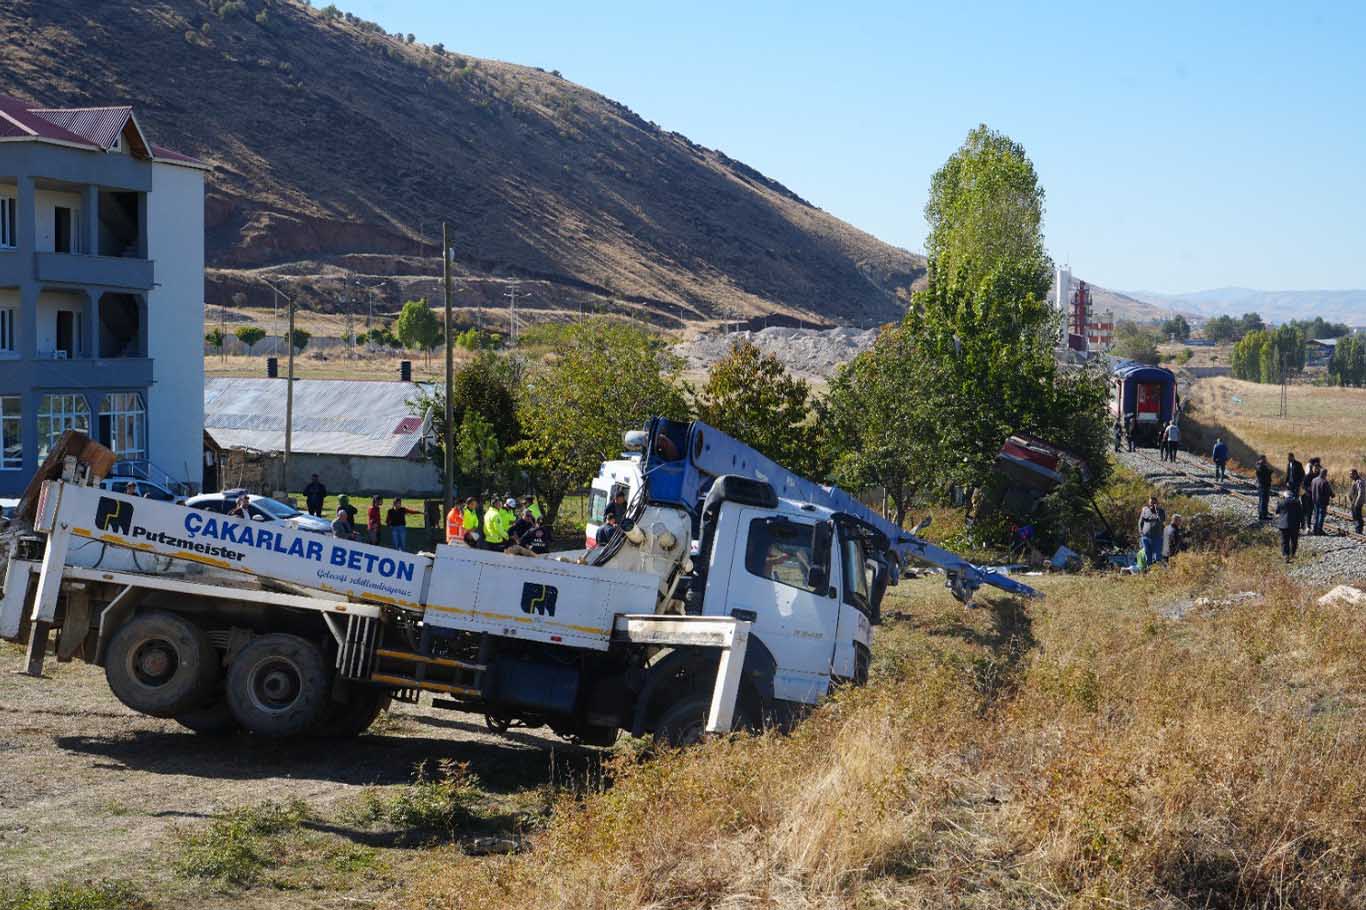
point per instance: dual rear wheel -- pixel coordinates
(163, 665)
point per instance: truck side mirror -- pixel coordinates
(818, 578)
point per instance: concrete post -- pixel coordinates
(91, 335)
(90, 220)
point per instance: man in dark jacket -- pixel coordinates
(314, 494)
(1288, 523)
(1263, 488)
(1129, 430)
(1356, 498)
(1307, 497)
(1220, 457)
(1118, 430)
(1321, 491)
(1173, 538)
(1294, 474)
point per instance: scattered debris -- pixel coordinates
(1066, 560)
(1182, 608)
(810, 353)
(489, 846)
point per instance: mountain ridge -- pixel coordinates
(337, 148)
(1342, 305)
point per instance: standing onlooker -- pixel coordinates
(1129, 430)
(1173, 440)
(344, 502)
(1151, 521)
(342, 527)
(469, 518)
(1220, 456)
(1162, 442)
(397, 520)
(1294, 474)
(314, 494)
(1263, 488)
(1307, 495)
(1321, 491)
(1288, 522)
(372, 520)
(1173, 538)
(1119, 434)
(455, 523)
(1356, 498)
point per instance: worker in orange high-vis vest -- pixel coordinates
(455, 524)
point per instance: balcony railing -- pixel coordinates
(91, 372)
(104, 271)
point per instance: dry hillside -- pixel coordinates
(338, 148)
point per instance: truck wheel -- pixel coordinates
(161, 664)
(354, 717)
(278, 686)
(685, 722)
(213, 719)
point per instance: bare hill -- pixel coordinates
(338, 148)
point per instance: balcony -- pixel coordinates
(89, 372)
(99, 271)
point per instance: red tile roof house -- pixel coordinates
(101, 292)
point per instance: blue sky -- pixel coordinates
(1181, 146)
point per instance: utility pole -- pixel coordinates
(447, 491)
(289, 395)
(222, 333)
(512, 313)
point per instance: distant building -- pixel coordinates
(101, 292)
(1318, 351)
(358, 437)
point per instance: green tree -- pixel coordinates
(418, 328)
(300, 338)
(1223, 329)
(982, 330)
(478, 453)
(215, 338)
(250, 336)
(985, 209)
(484, 386)
(750, 395)
(1177, 328)
(1133, 342)
(877, 423)
(605, 378)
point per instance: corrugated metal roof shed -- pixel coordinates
(100, 125)
(331, 417)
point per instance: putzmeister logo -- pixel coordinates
(539, 598)
(114, 515)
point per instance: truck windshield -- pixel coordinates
(855, 565)
(597, 506)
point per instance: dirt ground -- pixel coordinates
(90, 790)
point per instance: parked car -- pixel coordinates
(147, 489)
(263, 508)
(7, 509)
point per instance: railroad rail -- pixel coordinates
(1243, 487)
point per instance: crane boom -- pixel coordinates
(683, 459)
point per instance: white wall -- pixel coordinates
(175, 317)
(50, 303)
(46, 220)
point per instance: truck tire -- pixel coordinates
(278, 686)
(684, 723)
(354, 717)
(213, 719)
(161, 664)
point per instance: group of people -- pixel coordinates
(1304, 501)
(1168, 438)
(503, 525)
(1159, 539)
(506, 525)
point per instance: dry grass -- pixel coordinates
(1322, 421)
(1079, 752)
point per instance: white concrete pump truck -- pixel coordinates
(734, 595)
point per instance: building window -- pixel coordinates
(11, 433)
(8, 238)
(59, 413)
(7, 329)
(123, 428)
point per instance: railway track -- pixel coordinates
(1201, 472)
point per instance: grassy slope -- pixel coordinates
(1322, 421)
(1080, 751)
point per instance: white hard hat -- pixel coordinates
(511, 503)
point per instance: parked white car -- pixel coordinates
(262, 508)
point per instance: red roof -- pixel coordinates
(96, 128)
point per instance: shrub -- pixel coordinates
(100, 895)
(443, 803)
(331, 12)
(234, 849)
